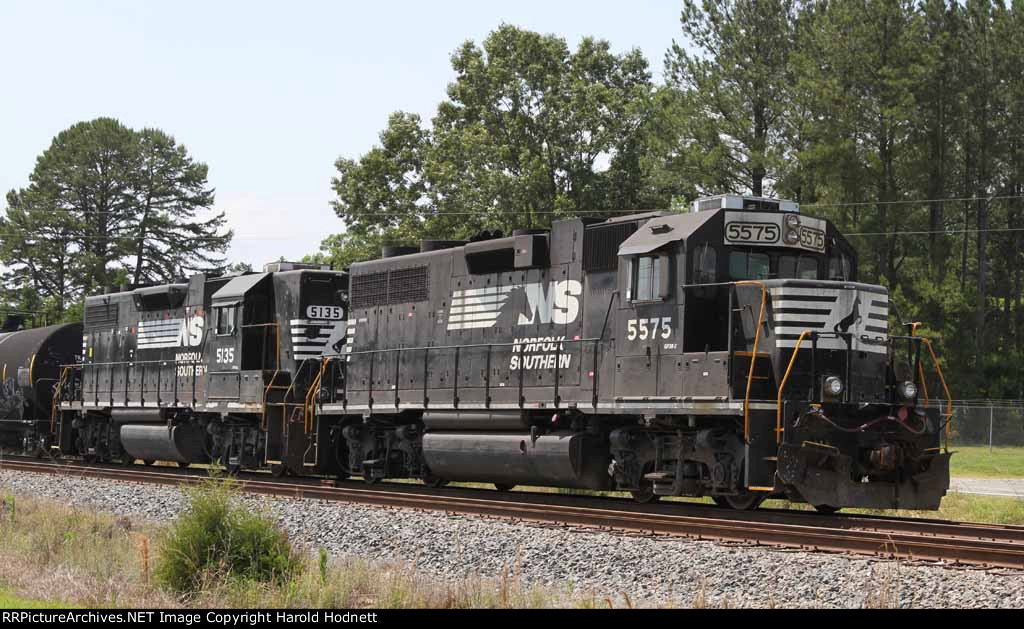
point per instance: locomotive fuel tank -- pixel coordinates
(30, 368)
(183, 443)
(576, 460)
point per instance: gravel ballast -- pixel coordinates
(650, 571)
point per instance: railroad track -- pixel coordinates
(904, 538)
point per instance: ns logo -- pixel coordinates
(559, 304)
(191, 332)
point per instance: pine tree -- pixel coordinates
(107, 205)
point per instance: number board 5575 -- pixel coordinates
(753, 233)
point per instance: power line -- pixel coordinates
(912, 201)
(946, 232)
(74, 239)
(636, 211)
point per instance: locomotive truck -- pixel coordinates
(728, 352)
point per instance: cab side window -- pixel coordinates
(226, 320)
(646, 278)
(839, 267)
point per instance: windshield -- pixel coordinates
(746, 264)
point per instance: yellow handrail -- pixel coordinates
(949, 397)
(273, 378)
(782, 386)
(753, 358)
(942, 379)
(924, 384)
(308, 408)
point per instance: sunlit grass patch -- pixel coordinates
(979, 462)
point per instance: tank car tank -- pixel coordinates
(30, 368)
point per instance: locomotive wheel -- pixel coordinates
(371, 480)
(148, 463)
(278, 471)
(183, 466)
(645, 495)
(434, 482)
(741, 502)
(826, 509)
(504, 487)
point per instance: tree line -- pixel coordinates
(902, 121)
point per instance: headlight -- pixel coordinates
(792, 238)
(833, 386)
(792, 220)
(908, 390)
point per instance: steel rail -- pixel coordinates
(992, 546)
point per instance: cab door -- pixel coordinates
(225, 353)
(647, 324)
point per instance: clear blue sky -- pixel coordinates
(267, 94)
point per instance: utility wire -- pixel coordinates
(946, 232)
(635, 211)
(74, 239)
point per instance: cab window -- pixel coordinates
(226, 320)
(646, 278)
(749, 265)
(839, 267)
(800, 267)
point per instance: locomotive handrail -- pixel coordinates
(173, 364)
(782, 385)
(942, 378)
(458, 349)
(757, 340)
(135, 362)
(277, 367)
(948, 413)
(753, 358)
(64, 373)
(442, 347)
(815, 335)
(308, 408)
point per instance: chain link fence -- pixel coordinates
(989, 423)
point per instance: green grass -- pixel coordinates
(217, 539)
(978, 462)
(52, 552)
(955, 506)
(10, 601)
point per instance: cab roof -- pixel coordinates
(664, 230)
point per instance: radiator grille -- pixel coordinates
(601, 245)
(407, 285)
(369, 290)
(100, 316)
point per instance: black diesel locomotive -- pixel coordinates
(728, 352)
